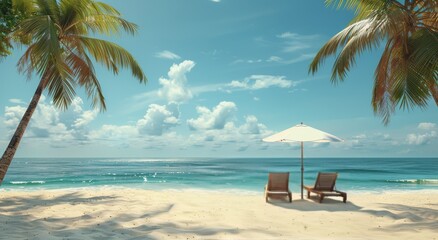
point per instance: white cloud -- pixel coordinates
(48, 122)
(296, 42)
(426, 136)
(421, 139)
(426, 126)
(167, 55)
(274, 59)
(240, 138)
(16, 101)
(256, 82)
(252, 126)
(207, 88)
(294, 46)
(296, 36)
(216, 1)
(85, 118)
(174, 89)
(158, 119)
(213, 119)
(302, 57)
(114, 132)
(376, 142)
(13, 116)
(255, 61)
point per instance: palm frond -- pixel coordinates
(25, 6)
(357, 37)
(60, 48)
(46, 44)
(112, 56)
(407, 73)
(362, 8)
(61, 85)
(424, 58)
(108, 24)
(365, 37)
(85, 74)
(105, 8)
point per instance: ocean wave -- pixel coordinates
(26, 182)
(143, 160)
(414, 181)
(357, 170)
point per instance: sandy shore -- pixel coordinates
(101, 213)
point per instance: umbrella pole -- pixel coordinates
(302, 169)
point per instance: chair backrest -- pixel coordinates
(278, 181)
(325, 181)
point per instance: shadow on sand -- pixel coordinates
(14, 212)
(16, 220)
(415, 218)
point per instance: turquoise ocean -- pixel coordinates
(249, 174)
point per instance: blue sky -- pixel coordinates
(221, 76)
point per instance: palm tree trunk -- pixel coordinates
(9, 153)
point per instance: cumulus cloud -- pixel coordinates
(218, 128)
(85, 118)
(426, 126)
(49, 122)
(213, 119)
(167, 55)
(114, 132)
(421, 139)
(174, 88)
(427, 133)
(256, 82)
(252, 126)
(13, 116)
(158, 119)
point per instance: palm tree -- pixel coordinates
(9, 18)
(407, 73)
(61, 51)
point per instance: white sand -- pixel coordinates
(99, 213)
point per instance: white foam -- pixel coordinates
(39, 182)
(19, 182)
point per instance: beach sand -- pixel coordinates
(123, 213)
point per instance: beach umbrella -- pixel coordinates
(302, 133)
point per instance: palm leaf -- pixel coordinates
(112, 56)
(60, 46)
(61, 84)
(85, 74)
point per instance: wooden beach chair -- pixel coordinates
(278, 186)
(325, 187)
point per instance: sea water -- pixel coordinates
(247, 174)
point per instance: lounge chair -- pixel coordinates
(325, 186)
(278, 186)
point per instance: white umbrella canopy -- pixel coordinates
(302, 133)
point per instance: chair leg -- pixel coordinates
(345, 197)
(321, 197)
(308, 194)
(290, 197)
